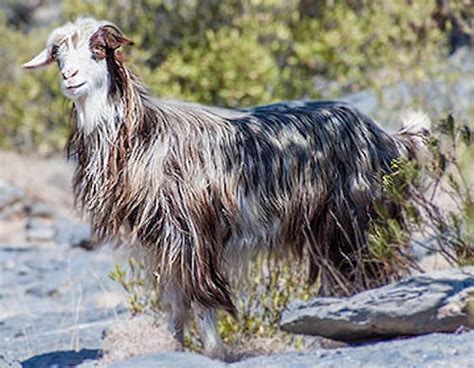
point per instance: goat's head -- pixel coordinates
(85, 52)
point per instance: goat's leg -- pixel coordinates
(207, 325)
(176, 308)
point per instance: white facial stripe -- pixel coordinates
(84, 78)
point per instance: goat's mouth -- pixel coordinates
(76, 86)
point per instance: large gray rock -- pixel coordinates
(440, 301)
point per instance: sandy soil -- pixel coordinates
(48, 180)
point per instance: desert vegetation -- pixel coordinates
(233, 53)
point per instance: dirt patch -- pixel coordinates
(46, 180)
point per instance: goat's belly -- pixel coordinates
(259, 227)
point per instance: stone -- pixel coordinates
(10, 200)
(48, 301)
(4, 362)
(38, 230)
(73, 234)
(9, 195)
(431, 302)
(8, 265)
(141, 335)
(40, 209)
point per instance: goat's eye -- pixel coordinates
(98, 52)
(54, 52)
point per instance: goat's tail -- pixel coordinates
(414, 135)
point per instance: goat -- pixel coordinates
(197, 188)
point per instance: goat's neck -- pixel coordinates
(95, 110)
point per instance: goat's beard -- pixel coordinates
(101, 141)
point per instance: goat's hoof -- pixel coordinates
(220, 352)
(179, 347)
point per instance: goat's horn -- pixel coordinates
(42, 59)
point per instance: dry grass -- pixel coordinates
(45, 180)
(280, 342)
(137, 336)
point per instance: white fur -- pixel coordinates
(415, 121)
(417, 125)
(73, 54)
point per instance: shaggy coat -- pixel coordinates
(200, 190)
(198, 187)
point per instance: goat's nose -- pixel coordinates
(69, 73)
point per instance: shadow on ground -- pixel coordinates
(61, 359)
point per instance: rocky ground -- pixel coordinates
(437, 350)
(55, 294)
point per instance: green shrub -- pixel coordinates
(349, 43)
(436, 198)
(33, 113)
(217, 73)
(229, 53)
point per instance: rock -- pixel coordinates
(437, 350)
(10, 200)
(73, 234)
(8, 265)
(138, 336)
(9, 194)
(40, 209)
(431, 302)
(38, 230)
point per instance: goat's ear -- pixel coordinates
(42, 59)
(114, 38)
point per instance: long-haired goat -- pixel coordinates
(199, 187)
